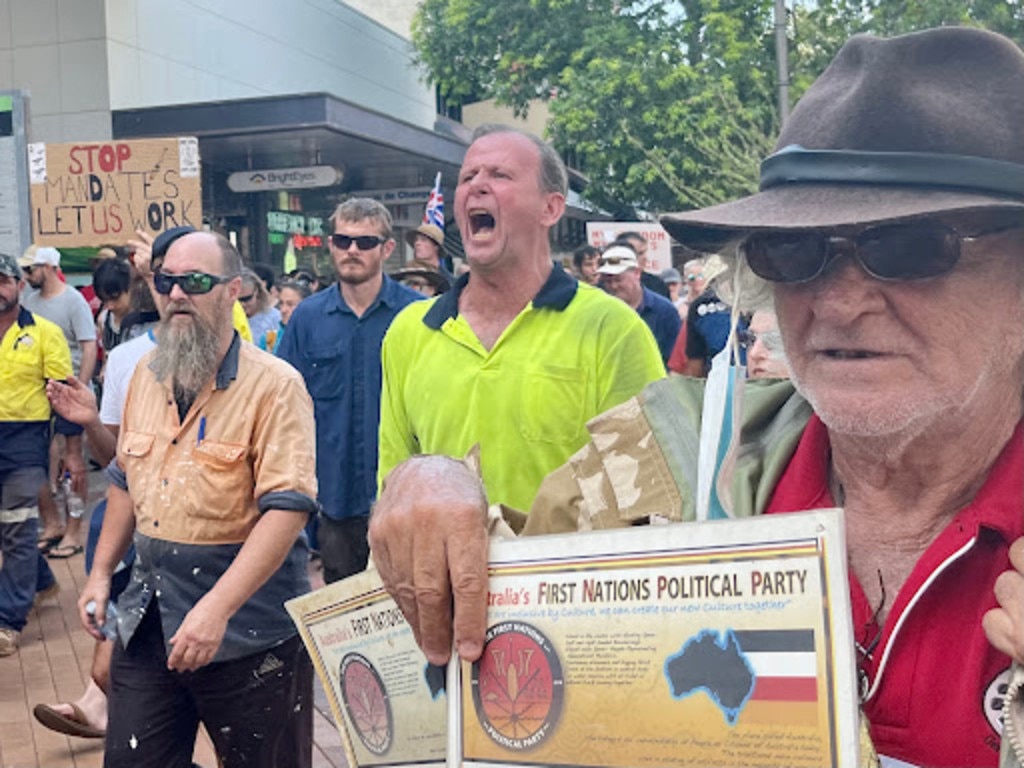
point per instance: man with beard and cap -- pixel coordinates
(517, 355)
(215, 477)
(888, 234)
(333, 339)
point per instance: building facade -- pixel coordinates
(265, 85)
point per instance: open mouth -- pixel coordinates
(481, 223)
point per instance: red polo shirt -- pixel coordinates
(935, 685)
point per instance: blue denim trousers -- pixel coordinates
(24, 569)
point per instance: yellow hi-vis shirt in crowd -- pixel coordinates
(241, 322)
(572, 353)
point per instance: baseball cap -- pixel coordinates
(671, 275)
(39, 255)
(9, 266)
(616, 260)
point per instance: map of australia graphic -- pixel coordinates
(713, 663)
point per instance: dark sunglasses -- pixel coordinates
(616, 260)
(913, 251)
(247, 297)
(363, 242)
(192, 283)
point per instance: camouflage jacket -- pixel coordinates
(641, 464)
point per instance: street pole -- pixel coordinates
(782, 57)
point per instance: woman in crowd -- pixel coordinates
(290, 293)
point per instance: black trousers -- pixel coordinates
(343, 547)
(257, 709)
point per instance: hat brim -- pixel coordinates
(618, 269)
(410, 237)
(436, 279)
(821, 206)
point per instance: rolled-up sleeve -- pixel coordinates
(284, 442)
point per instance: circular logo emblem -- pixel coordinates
(994, 697)
(366, 703)
(518, 688)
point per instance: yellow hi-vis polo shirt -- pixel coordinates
(32, 350)
(572, 353)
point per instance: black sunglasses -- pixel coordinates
(247, 297)
(616, 260)
(912, 251)
(192, 283)
(363, 242)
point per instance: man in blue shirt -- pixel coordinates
(333, 339)
(619, 269)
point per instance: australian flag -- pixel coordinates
(434, 214)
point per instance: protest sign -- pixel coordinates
(95, 193)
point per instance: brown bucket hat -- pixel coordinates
(894, 129)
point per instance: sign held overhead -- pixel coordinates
(94, 193)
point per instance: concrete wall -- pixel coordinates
(480, 112)
(185, 51)
(80, 59)
(396, 15)
(56, 49)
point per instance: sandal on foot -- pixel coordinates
(74, 725)
(48, 543)
(64, 551)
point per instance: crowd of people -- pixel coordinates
(409, 417)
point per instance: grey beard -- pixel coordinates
(187, 356)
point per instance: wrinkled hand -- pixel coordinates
(1004, 626)
(73, 400)
(198, 638)
(428, 536)
(142, 252)
(96, 589)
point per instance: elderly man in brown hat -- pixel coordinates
(889, 232)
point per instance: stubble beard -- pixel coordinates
(187, 356)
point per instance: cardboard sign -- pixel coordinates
(97, 193)
(659, 243)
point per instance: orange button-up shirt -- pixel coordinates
(257, 442)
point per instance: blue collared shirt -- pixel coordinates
(338, 355)
(663, 319)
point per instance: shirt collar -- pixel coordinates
(388, 295)
(645, 299)
(25, 318)
(556, 293)
(228, 370)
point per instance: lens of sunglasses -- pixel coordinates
(192, 283)
(782, 257)
(363, 242)
(908, 251)
(247, 297)
(894, 252)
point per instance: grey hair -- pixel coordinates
(358, 209)
(553, 176)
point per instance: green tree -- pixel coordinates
(668, 104)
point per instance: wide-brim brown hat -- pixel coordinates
(894, 129)
(431, 231)
(435, 278)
